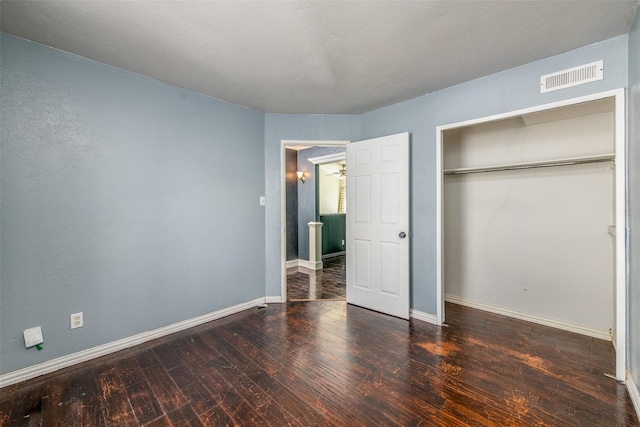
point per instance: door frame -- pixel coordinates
(620, 195)
(284, 144)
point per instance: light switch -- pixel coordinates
(262, 201)
(33, 336)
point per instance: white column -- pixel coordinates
(315, 245)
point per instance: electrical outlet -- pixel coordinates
(76, 320)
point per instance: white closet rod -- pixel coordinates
(532, 165)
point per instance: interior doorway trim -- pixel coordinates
(329, 158)
(284, 144)
(620, 195)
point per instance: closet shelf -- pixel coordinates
(532, 165)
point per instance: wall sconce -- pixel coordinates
(302, 176)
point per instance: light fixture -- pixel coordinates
(302, 176)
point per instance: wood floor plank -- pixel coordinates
(56, 404)
(166, 356)
(144, 402)
(257, 397)
(115, 403)
(329, 363)
(160, 422)
(216, 416)
(184, 416)
(129, 371)
(203, 366)
(253, 401)
(372, 374)
(167, 393)
(319, 377)
(5, 410)
(26, 409)
(86, 403)
(261, 371)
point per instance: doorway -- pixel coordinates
(593, 164)
(378, 223)
(302, 173)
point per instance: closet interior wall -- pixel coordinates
(533, 241)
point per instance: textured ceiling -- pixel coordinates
(316, 56)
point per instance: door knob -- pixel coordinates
(402, 235)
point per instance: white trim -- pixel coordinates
(273, 299)
(620, 329)
(564, 103)
(620, 209)
(440, 314)
(315, 265)
(304, 264)
(313, 143)
(300, 263)
(293, 263)
(102, 350)
(632, 388)
(335, 254)
(421, 315)
(603, 335)
(283, 200)
(329, 158)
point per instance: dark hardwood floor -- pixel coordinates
(330, 363)
(326, 284)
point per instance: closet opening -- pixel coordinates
(531, 217)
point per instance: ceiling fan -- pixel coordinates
(342, 173)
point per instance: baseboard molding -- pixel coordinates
(292, 263)
(315, 265)
(603, 335)
(102, 350)
(633, 393)
(303, 263)
(335, 254)
(309, 264)
(273, 299)
(421, 315)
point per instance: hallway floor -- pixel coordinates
(330, 283)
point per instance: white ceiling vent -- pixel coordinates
(572, 77)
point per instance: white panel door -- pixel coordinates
(378, 224)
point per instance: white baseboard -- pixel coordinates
(303, 263)
(335, 254)
(633, 393)
(603, 335)
(421, 315)
(102, 350)
(310, 265)
(315, 265)
(273, 299)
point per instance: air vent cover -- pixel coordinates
(572, 77)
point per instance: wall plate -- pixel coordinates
(33, 336)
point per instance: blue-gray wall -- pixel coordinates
(116, 198)
(123, 197)
(634, 201)
(509, 90)
(292, 127)
(307, 194)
